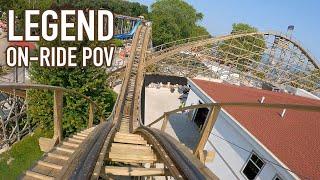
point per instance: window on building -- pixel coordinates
(253, 167)
(277, 177)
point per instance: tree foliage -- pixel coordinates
(19, 6)
(173, 20)
(122, 7)
(90, 81)
(243, 51)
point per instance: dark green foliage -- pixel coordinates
(245, 49)
(83, 4)
(90, 81)
(122, 7)
(19, 6)
(173, 20)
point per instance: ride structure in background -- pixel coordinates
(238, 59)
(13, 119)
(125, 27)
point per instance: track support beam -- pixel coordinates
(57, 114)
(205, 133)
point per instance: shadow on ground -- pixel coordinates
(186, 131)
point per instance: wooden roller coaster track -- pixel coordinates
(120, 146)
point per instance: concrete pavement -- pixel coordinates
(158, 101)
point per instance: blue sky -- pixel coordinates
(265, 15)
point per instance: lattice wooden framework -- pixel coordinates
(239, 58)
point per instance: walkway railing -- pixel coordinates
(59, 92)
(214, 112)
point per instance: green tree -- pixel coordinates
(90, 81)
(243, 50)
(173, 20)
(122, 7)
(83, 4)
(19, 6)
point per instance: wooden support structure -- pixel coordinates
(57, 114)
(205, 133)
(165, 122)
(91, 111)
(17, 92)
(134, 171)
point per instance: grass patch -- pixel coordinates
(22, 155)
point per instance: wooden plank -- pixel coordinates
(165, 122)
(38, 175)
(81, 134)
(74, 140)
(58, 156)
(47, 144)
(17, 92)
(207, 129)
(49, 165)
(209, 156)
(131, 146)
(91, 110)
(201, 156)
(44, 170)
(78, 137)
(134, 171)
(119, 155)
(130, 141)
(57, 114)
(130, 150)
(132, 137)
(136, 161)
(65, 149)
(70, 144)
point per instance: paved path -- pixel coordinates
(158, 101)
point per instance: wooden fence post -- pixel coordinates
(91, 111)
(165, 122)
(207, 129)
(57, 114)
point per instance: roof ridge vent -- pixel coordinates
(283, 113)
(262, 99)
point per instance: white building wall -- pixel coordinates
(227, 139)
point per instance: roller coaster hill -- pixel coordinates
(121, 145)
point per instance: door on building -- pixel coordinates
(200, 117)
